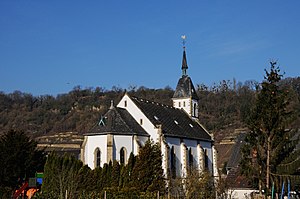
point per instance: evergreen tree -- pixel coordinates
(106, 175)
(86, 180)
(115, 174)
(19, 159)
(126, 179)
(62, 176)
(199, 185)
(147, 172)
(269, 145)
(97, 179)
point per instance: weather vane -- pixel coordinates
(183, 37)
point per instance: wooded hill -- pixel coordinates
(223, 106)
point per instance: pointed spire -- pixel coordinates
(184, 63)
(184, 66)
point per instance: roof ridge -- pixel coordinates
(153, 102)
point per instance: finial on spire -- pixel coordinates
(111, 104)
(183, 37)
(184, 62)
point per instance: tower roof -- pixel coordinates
(185, 89)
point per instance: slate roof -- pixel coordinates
(234, 178)
(185, 88)
(118, 121)
(235, 157)
(175, 122)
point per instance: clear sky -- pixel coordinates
(51, 46)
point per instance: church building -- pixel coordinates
(127, 126)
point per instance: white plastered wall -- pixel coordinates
(175, 142)
(125, 141)
(208, 147)
(187, 104)
(119, 141)
(137, 114)
(93, 142)
(184, 103)
(192, 144)
(181, 156)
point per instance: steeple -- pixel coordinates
(184, 66)
(185, 96)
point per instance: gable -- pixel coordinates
(127, 103)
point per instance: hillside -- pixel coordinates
(223, 107)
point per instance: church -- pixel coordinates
(127, 126)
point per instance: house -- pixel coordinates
(127, 126)
(238, 185)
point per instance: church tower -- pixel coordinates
(185, 96)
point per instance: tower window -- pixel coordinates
(141, 121)
(125, 103)
(183, 104)
(179, 104)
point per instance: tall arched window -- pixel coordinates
(195, 109)
(191, 158)
(123, 155)
(173, 162)
(97, 157)
(206, 158)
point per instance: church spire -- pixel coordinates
(185, 96)
(184, 66)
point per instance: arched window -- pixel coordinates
(191, 158)
(97, 157)
(206, 158)
(173, 163)
(195, 109)
(123, 155)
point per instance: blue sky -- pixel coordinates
(49, 47)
